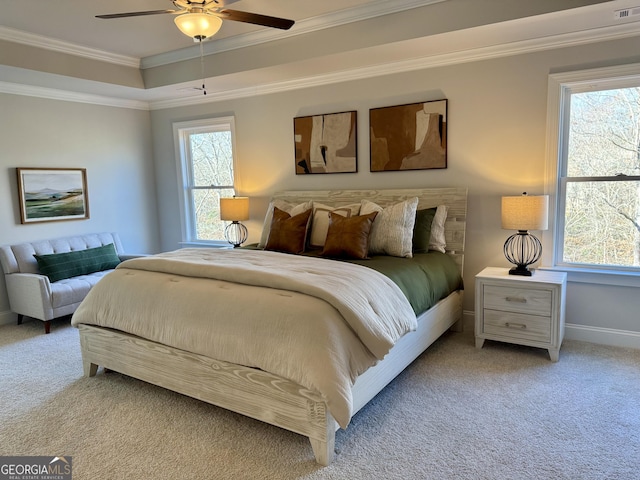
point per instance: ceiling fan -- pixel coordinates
(202, 19)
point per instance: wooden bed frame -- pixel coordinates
(267, 397)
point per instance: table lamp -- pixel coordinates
(235, 209)
(523, 213)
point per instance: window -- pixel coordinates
(205, 156)
(597, 160)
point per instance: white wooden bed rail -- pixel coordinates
(248, 391)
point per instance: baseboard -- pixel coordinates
(468, 321)
(582, 333)
(8, 317)
(603, 336)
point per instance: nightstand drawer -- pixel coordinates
(515, 325)
(520, 300)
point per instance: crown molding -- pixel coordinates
(373, 9)
(39, 41)
(67, 96)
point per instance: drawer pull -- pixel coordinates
(521, 326)
(516, 299)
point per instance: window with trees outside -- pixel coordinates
(598, 170)
(205, 156)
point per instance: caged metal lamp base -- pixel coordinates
(522, 249)
(236, 234)
(522, 270)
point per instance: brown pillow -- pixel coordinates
(348, 237)
(288, 234)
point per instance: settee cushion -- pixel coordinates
(70, 291)
(59, 266)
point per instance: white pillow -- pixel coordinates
(290, 208)
(392, 229)
(436, 240)
(320, 221)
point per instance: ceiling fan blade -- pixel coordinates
(221, 3)
(135, 14)
(256, 19)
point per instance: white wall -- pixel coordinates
(497, 128)
(113, 144)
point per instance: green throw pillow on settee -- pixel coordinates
(58, 266)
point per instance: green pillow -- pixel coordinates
(422, 230)
(58, 266)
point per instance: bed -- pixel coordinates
(113, 335)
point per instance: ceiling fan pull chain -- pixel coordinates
(202, 66)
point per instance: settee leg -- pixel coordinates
(47, 326)
(20, 317)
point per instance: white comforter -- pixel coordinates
(320, 323)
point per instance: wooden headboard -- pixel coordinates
(455, 198)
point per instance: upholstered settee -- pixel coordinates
(48, 279)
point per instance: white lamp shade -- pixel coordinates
(234, 209)
(525, 212)
(198, 25)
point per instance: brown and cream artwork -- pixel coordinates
(326, 143)
(409, 137)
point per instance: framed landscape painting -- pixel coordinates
(52, 194)
(409, 137)
(326, 143)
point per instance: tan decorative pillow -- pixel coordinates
(288, 234)
(348, 237)
(290, 208)
(320, 221)
(392, 231)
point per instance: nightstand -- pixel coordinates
(522, 310)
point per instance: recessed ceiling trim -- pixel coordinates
(67, 96)
(363, 12)
(465, 56)
(39, 41)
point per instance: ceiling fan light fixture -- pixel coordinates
(198, 25)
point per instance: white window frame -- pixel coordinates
(560, 87)
(181, 132)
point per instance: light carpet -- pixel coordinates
(502, 412)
